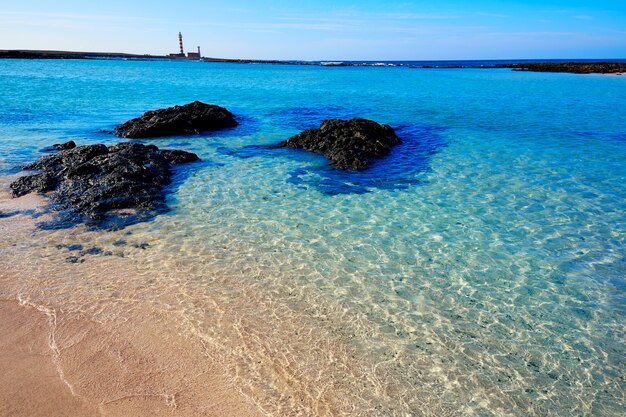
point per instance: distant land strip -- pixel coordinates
(606, 67)
(35, 54)
(574, 67)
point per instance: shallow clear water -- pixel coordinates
(479, 269)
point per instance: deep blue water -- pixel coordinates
(486, 252)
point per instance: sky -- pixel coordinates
(323, 29)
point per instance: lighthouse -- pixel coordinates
(181, 53)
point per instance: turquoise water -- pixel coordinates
(480, 269)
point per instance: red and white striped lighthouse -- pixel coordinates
(180, 43)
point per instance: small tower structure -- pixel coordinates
(194, 55)
(180, 43)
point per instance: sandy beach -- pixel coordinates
(109, 335)
(58, 363)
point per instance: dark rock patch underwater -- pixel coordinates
(401, 168)
(104, 186)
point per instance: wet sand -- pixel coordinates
(59, 365)
(59, 362)
(30, 384)
(118, 334)
(115, 336)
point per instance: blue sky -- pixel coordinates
(323, 29)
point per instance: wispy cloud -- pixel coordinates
(319, 19)
(325, 27)
(435, 30)
(262, 31)
(77, 16)
(347, 21)
(417, 16)
(498, 15)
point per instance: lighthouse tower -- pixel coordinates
(181, 53)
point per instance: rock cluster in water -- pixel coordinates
(349, 144)
(96, 180)
(191, 118)
(60, 146)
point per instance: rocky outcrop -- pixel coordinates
(191, 118)
(573, 67)
(96, 180)
(39, 182)
(349, 144)
(60, 146)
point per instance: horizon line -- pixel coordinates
(166, 56)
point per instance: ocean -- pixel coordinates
(478, 270)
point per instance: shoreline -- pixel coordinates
(59, 364)
(60, 361)
(30, 381)
(116, 336)
(132, 339)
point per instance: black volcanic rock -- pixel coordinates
(96, 180)
(178, 157)
(39, 182)
(573, 67)
(191, 118)
(60, 146)
(349, 144)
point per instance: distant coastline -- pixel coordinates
(590, 66)
(41, 54)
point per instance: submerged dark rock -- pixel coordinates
(60, 146)
(191, 118)
(349, 144)
(97, 181)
